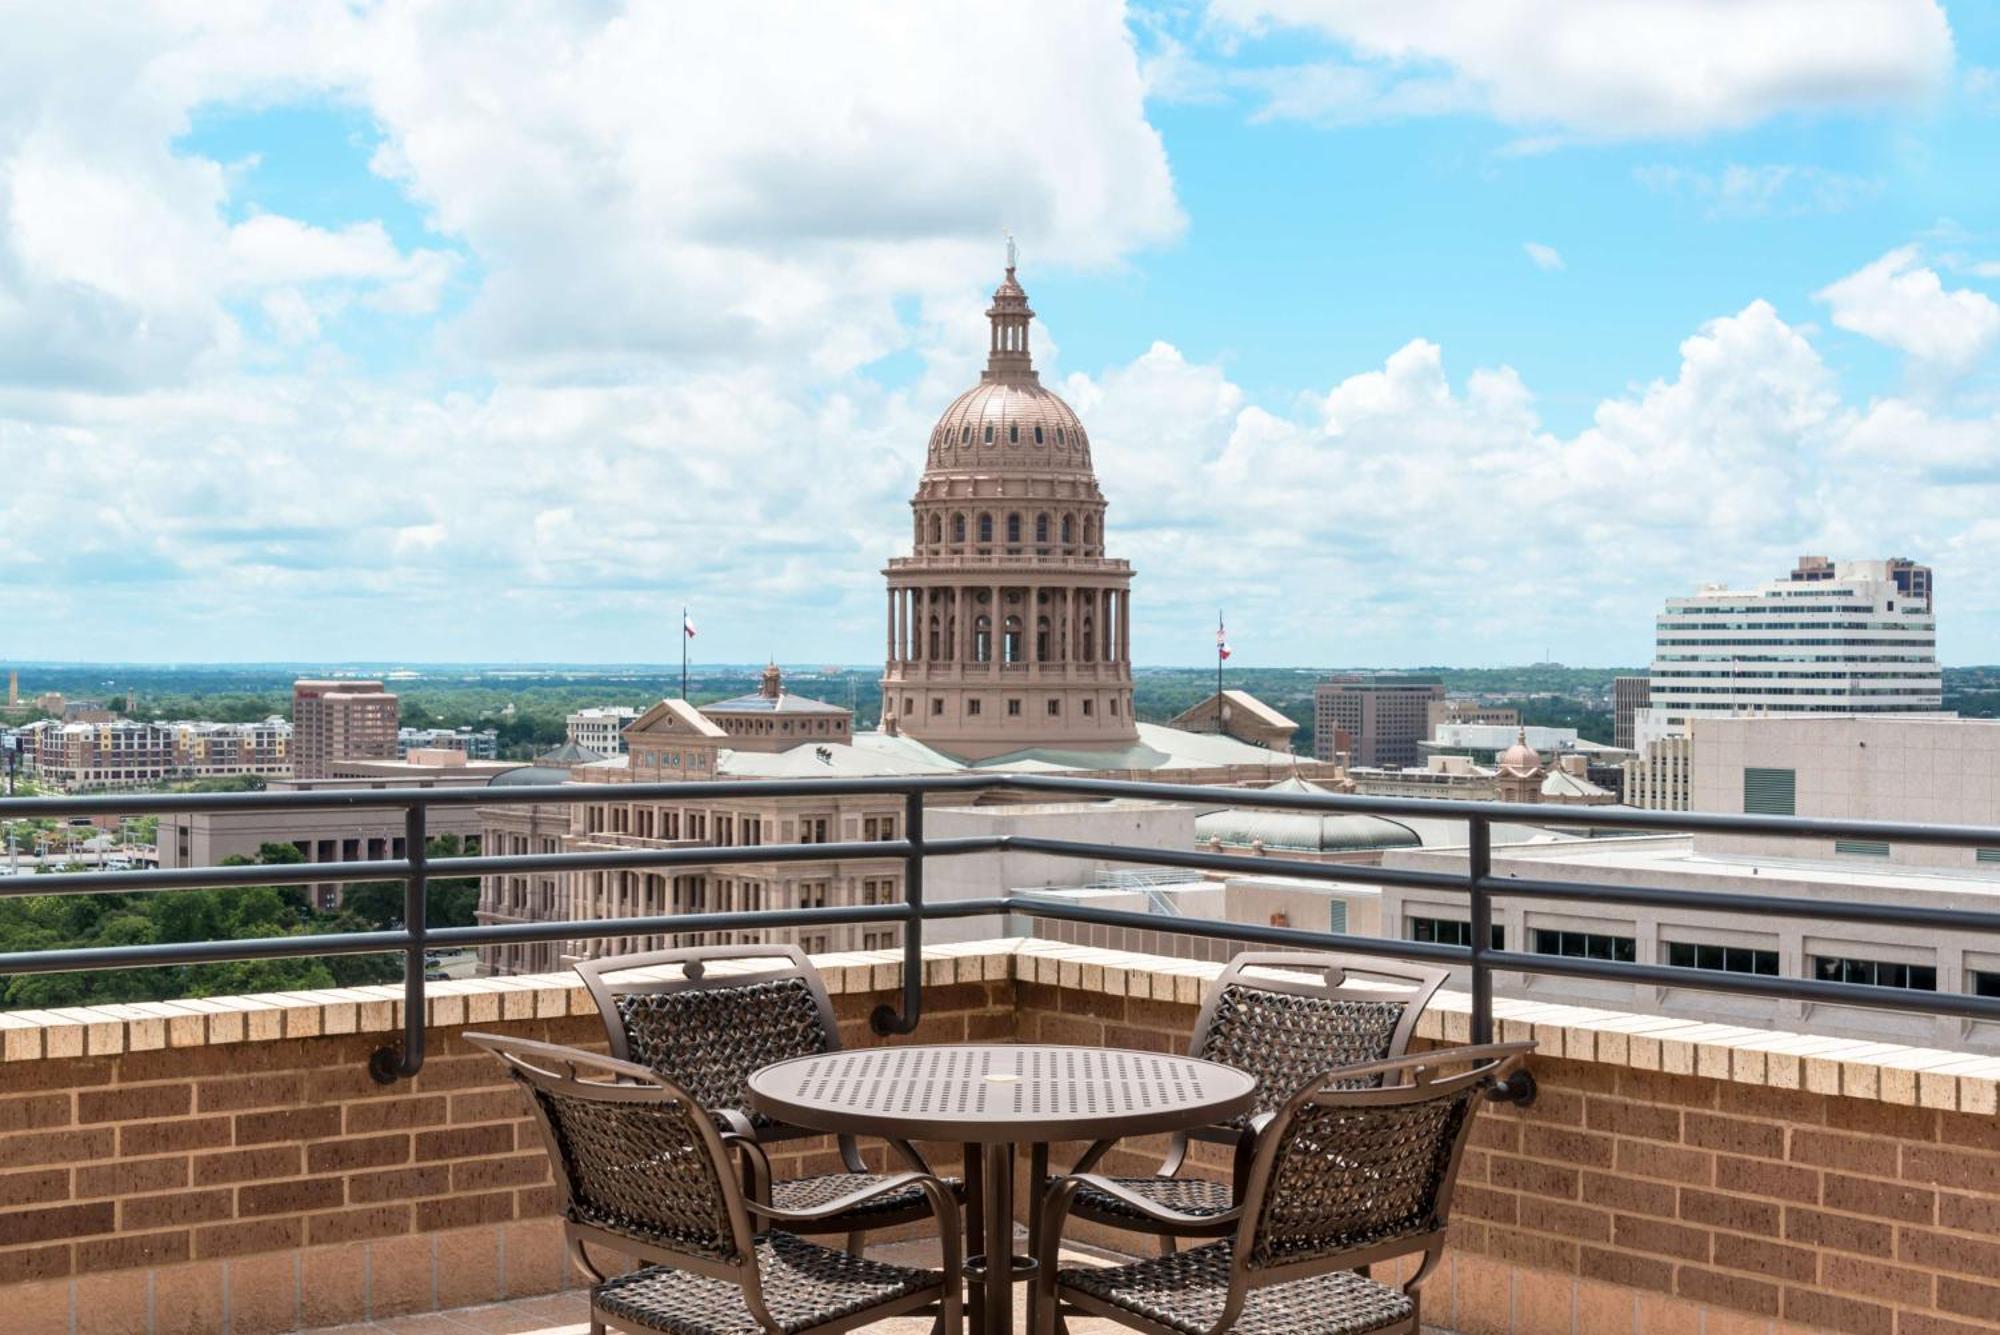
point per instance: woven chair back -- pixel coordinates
(708, 1031)
(634, 1154)
(1325, 1011)
(1366, 1157)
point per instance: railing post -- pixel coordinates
(386, 1064)
(885, 1021)
(1519, 1087)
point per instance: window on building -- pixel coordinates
(972, 708)
(1086, 709)
(1038, 435)
(1874, 973)
(1861, 848)
(1013, 433)
(1013, 528)
(989, 433)
(1770, 792)
(884, 940)
(1042, 529)
(958, 528)
(1985, 983)
(1013, 709)
(813, 829)
(1585, 945)
(937, 706)
(986, 528)
(1055, 708)
(1453, 932)
(1722, 959)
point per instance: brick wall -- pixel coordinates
(228, 1165)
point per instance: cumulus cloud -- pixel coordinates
(1612, 69)
(1546, 258)
(1900, 302)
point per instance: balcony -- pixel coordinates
(255, 1164)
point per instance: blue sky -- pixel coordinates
(1407, 333)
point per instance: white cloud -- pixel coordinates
(1546, 258)
(1898, 301)
(1614, 68)
(1746, 191)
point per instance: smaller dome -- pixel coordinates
(1520, 758)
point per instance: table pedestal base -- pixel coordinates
(989, 1214)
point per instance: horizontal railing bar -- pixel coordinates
(164, 953)
(1343, 872)
(203, 878)
(671, 924)
(1750, 984)
(1662, 822)
(1777, 906)
(1256, 933)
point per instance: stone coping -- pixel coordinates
(1853, 1068)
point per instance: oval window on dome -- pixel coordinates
(965, 436)
(1061, 437)
(1014, 433)
(989, 433)
(1038, 435)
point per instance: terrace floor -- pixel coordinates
(569, 1313)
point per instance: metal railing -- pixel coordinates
(1477, 883)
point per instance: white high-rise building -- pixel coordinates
(601, 730)
(1856, 637)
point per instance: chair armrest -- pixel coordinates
(737, 1134)
(842, 1204)
(1150, 1209)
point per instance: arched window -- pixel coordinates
(1062, 436)
(1014, 528)
(1014, 433)
(986, 528)
(958, 527)
(982, 640)
(965, 434)
(1042, 640)
(1090, 531)
(989, 433)
(1042, 529)
(1066, 530)
(1089, 641)
(1038, 435)
(937, 530)
(1012, 646)
(937, 641)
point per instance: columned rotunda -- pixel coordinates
(1008, 625)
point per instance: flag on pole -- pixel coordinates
(1221, 641)
(687, 625)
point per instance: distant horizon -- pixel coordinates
(754, 665)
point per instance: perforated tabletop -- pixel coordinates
(1000, 1093)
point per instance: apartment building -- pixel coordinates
(1660, 777)
(479, 744)
(1385, 716)
(340, 719)
(1849, 637)
(124, 754)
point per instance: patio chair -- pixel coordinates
(708, 1031)
(1284, 1027)
(1355, 1169)
(645, 1172)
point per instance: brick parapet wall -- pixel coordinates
(228, 1165)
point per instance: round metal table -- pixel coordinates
(991, 1098)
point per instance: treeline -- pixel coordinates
(79, 921)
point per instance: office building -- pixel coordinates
(601, 730)
(1460, 710)
(1385, 716)
(340, 720)
(1660, 777)
(475, 744)
(1629, 695)
(1853, 637)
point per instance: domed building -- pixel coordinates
(1008, 624)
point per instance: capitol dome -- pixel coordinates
(998, 422)
(1520, 758)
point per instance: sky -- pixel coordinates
(1427, 333)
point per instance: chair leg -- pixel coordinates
(1169, 1245)
(857, 1243)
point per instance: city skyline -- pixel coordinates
(1302, 270)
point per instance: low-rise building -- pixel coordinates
(1458, 709)
(1241, 715)
(601, 729)
(126, 754)
(476, 744)
(1659, 777)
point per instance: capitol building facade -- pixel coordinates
(1008, 646)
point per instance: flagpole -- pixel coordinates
(684, 651)
(1219, 633)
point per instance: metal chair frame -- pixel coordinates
(554, 1069)
(1336, 972)
(696, 976)
(1399, 1081)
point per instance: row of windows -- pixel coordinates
(975, 707)
(1675, 692)
(1039, 435)
(1714, 958)
(1046, 527)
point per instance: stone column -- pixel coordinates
(1125, 626)
(1029, 619)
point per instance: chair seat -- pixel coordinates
(1185, 1291)
(808, 1193)
(1188, 1195)
(804, 1285)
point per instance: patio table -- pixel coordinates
(991, 1098)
